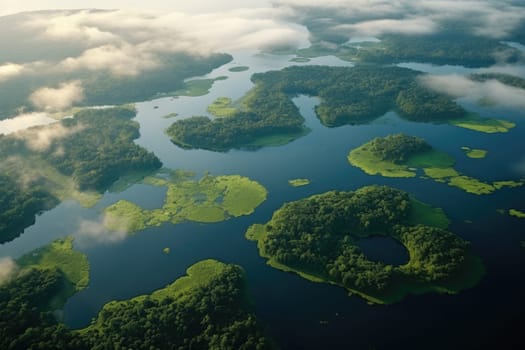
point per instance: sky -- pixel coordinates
(193, 6)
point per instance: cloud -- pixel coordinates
(489, 18)
(128, 43)
(91, 233)
(57, 99)
(23, 121)
(8, 268)
(490, 91)
(399, 26)
(42, 137)
(123, 60)
(10, 70)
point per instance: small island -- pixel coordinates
(298, 182)
(195, 88)
(208, 200)
(205, 309)
(222, 107)
(237, 69)
(517, 213)
(474, 153)
(300, 60)
(401, 155)
(317, 238)
(488, 126)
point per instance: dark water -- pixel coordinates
(384, 249)
(300, 314)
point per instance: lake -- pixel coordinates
(300, 314)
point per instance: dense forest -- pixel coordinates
(348, 96)
(443, 48)
(318, 236)
(398, 148)
(503, 78)
(205, 311)
(102, 88)
(85, 153)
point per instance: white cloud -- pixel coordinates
(8, 269)
(127, 43)
(490, 91)
(42, 137)
(490, 18)
(24, 121)
(399, 26)
(90, 233)
(123, 60)
(10, 70)
(57, 99)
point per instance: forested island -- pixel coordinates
(77, 158)
(317, 238)
(210, 199)
(207, 309)
(401, 155)
(266, 115)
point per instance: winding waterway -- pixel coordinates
(301, 314)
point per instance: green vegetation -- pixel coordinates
(197, 87)
(503, 78)
(442, 48)
(397, 156)
(349, 95)
(474, 152)
(210, 199)
(298, 182)
(300, 60)
(489, 126)
(405, 156)
(517, 213)
(166, 250)
(60, 255)
(102, 89)
(316, 238)
(239, 69)
(207, 309)
(171, 115)
(222, 107)
(77, 158)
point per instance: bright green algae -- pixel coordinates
(210, 199)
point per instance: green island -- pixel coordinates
(266, 115)
(76, 158)
(298, 182)
(222, 107)
(207, 309)
(238, 69)
(401, 155)
(300, 60)
(486, 125)
(208, 200)
(171, 115)
(474, 153)
(517, 213)
(195, 88)
(317, 238)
